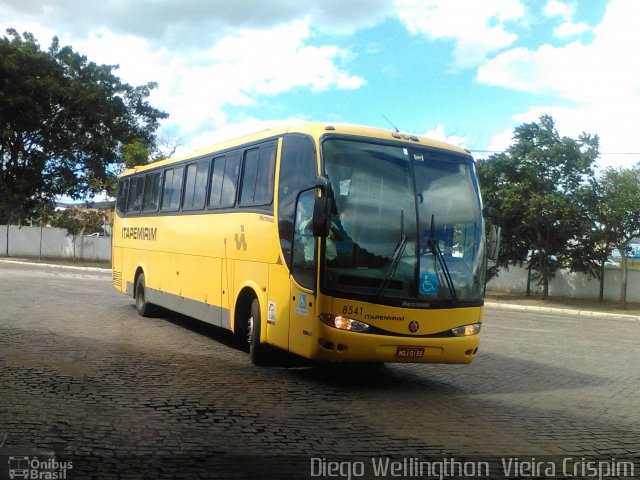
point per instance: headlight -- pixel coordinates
(344, 323)
(466, 330)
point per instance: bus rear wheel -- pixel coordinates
(145, 309)
(258, 352)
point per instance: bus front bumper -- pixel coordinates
(332, 344)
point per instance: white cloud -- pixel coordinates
(238, 69)
(247, 65)
(191, 24)
(201, 64)
(565, 11)
(231, 130)
(476, 27)
(499, 143)
(569, 29)
(276, 60)
(555, 8)
(598, 79)
(439, 133)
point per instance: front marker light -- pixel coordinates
(466, 330)
(344, 323)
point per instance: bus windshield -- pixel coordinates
(407, 224)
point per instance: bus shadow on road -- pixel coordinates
(491, 373)
(219, 334)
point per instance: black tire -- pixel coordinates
(258, 352)
(145, 309)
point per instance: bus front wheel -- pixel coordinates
(144, 308)
(257, 351)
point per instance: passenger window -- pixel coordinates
(225, 181)
(249, 175)
(195, 186)
(172, 188)
(134, 202)
(266, 170)
(123, 192)
(151, 192)
(217, 176)
(257, 176)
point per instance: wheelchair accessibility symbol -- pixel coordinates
(428, 283)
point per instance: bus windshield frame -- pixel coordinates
(406, 227)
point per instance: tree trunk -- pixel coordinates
(529, 280)
(601, 296)
(543, 268)
(40, 251)
(623, 283)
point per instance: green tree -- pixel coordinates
(590, 250)
(63, 124)
(619, 210)
(534, 184)
(77, 221)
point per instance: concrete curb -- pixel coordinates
(555, 310)
(54, 265)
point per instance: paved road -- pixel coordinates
(84, 379)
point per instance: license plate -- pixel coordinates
(410, 352)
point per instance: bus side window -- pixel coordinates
(195, 186)
(230, 180)
(266, 170)
(134, 202)
(249, 176)
(123, 192)
(217, 176)
(172, 188)
(257, 176)
(151, 197)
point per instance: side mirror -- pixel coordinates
(321, 222)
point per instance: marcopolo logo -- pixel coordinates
(37, 468)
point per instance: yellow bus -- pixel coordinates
(332, 242)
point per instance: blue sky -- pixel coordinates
(464, 71)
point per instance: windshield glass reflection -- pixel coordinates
(390, 202)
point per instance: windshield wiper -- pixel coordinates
(435, 249)
(395, 259)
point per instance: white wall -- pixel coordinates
(52, 243)
(572, 285)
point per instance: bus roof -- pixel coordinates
(315, 129)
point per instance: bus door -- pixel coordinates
(296, 195)
(303, 277)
